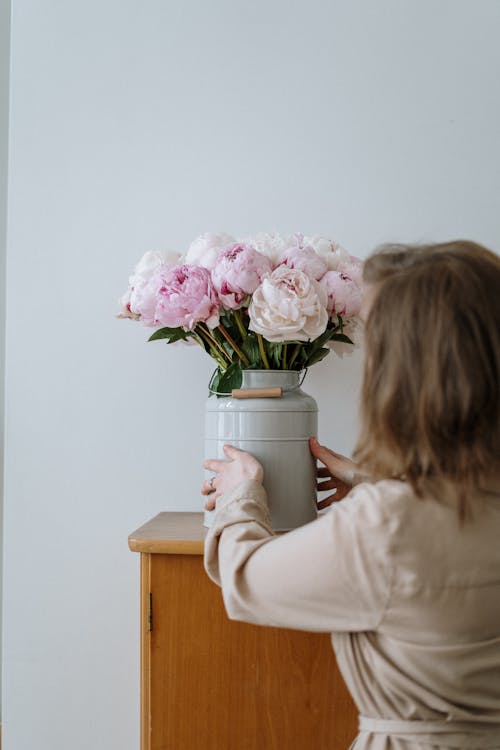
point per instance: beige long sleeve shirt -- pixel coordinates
(411, 598)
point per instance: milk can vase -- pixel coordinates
(276, 430)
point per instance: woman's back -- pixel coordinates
(435, 654)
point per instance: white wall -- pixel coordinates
(4, 141)
(139, 125)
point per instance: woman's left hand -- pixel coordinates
(241, 466)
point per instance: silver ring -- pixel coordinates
(211, 483)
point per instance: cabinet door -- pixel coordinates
(216, 684)
(213, 684)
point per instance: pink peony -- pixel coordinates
(307, 260)
(238, 271)
(354, 269)
(344, 295)
(143, 271)
(179, 296)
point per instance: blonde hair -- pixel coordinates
(430, 400)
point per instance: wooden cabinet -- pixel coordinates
(208, 683)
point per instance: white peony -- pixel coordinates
(288, 306)
(203, 251)
(274, 245)
(143, 271)
(332, 252)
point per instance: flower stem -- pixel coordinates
(295, 354)
(215, 352)
(233, 343)
(284, 365)
(217, 344)
(240, 324)
(262, 351)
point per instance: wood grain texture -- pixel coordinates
(257, 393)
(170, 533)
(217, 684)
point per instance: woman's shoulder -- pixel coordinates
(375, 513)
(394, 499)
(424, 537)
(390, 512)
(389, 500)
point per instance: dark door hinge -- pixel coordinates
(150, 613)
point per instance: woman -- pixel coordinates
(405, 570)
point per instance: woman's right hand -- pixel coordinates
(338, 472)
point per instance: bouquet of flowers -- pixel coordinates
(266, 302)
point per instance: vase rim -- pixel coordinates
(286, 378)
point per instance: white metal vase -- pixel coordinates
(276, 431)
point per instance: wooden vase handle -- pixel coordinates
(257, 392)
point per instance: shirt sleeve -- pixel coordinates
(330, 575)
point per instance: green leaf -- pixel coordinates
(275, 351)
(230, 379)
(342, 337)
(317, 356)
(321, 340)
(172, 334)
(229, 323)
(250, 347)
(226, 318)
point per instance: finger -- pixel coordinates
(318, 447)
(328, 501)
(343, 488)
(322, 471)
(337, 464)
(335, 498)
(333, 483)
(332, 453)
(330, 484)
(213, 464)
(320, 451)
(208, 486)
(211, 502)
(340, 494)
(232, 452)
(316, 444)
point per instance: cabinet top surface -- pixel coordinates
(170, 533)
